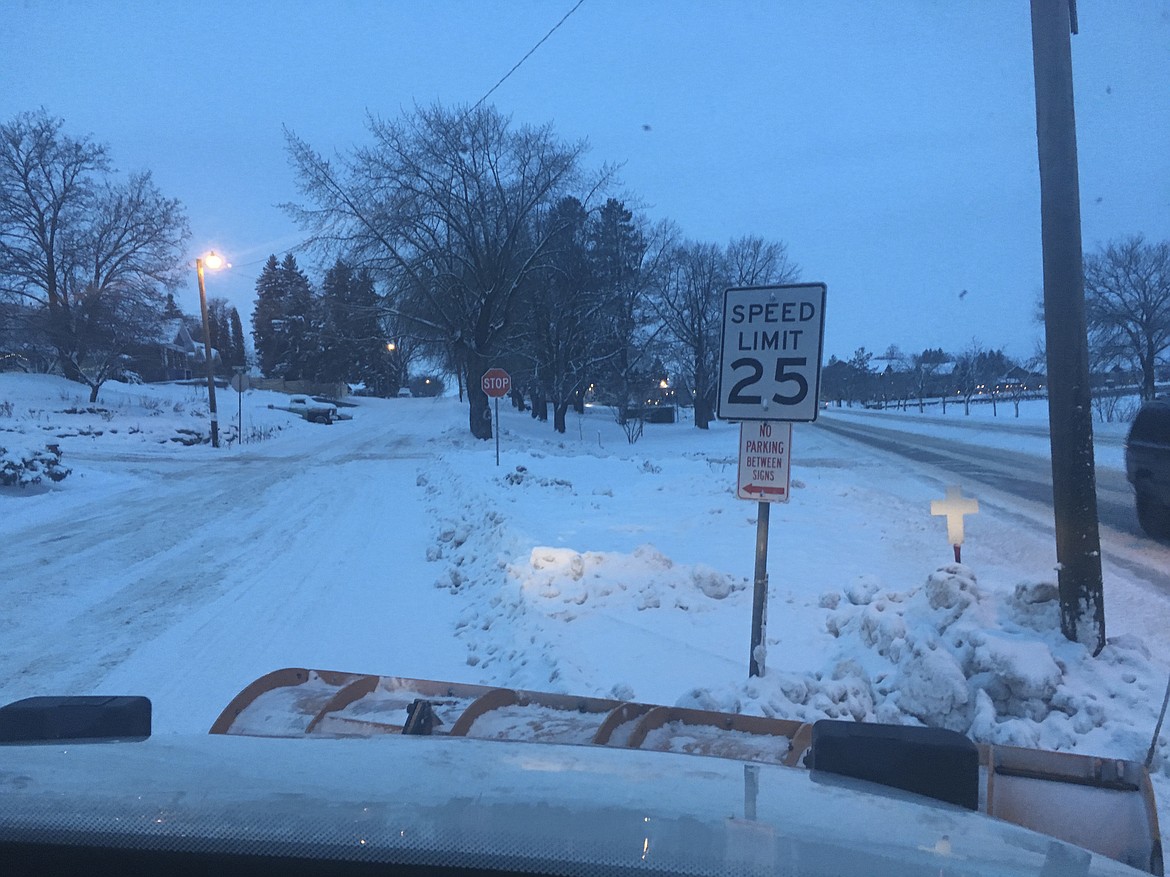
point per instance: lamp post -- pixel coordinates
(214, 262)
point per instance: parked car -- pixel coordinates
(404, 393)
(1147, 465)
(313, 410)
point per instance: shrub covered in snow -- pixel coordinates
(23, 464)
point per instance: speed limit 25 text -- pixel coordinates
(751, 316)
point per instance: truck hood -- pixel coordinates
(466, 802)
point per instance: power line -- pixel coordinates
(525, 58)
(488, 94)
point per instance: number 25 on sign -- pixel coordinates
(770, 354)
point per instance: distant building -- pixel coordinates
(174, 355)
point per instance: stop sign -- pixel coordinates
(496, 382)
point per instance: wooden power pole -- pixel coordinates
(1074, 488)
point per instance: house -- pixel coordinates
(174, 355)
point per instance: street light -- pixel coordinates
(214, 262)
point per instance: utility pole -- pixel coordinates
(1074, 489)
(207, 353)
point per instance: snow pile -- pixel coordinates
(23, 464)
(949, 654)
(562, 578)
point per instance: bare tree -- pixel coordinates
(753, 261)
(690, 303)
(924, 369)
(970, 372)
(894, 380)
(860, 382)
(690, 306)
(24, 342)
(441, 208)
(1127, 305)
(922, 376)
(91, 253)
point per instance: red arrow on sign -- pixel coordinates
(496, 382)
(760, 489)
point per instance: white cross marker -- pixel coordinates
(954, 507)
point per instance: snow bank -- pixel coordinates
(949, 654)
(643, 579)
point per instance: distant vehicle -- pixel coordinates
(313, 410)
(1147, 465)
(405, 393)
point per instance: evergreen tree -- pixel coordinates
(223, 338)
(171, 309)
(268, 318)
(239, 351)
(352, 344)
(285, 322)
(618, 249)
(217, 323)
(301, 326)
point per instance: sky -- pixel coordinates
(890, 146)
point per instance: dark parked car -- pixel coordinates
(1147, 465)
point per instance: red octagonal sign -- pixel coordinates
(496, 382)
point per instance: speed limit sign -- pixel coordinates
(770, 358)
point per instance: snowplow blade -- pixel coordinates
(295, 702)
(1104, 805)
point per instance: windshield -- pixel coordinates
(667, 354)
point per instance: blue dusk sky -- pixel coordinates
(890, 145)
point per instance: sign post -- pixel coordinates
(770, 373)
(764, 476)
(496, 383)
(239, 384)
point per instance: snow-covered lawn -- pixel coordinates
(393, 544)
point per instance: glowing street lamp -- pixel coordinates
(214, 262)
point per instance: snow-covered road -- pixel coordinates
(189, 575)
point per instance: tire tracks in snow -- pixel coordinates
(84, 594)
